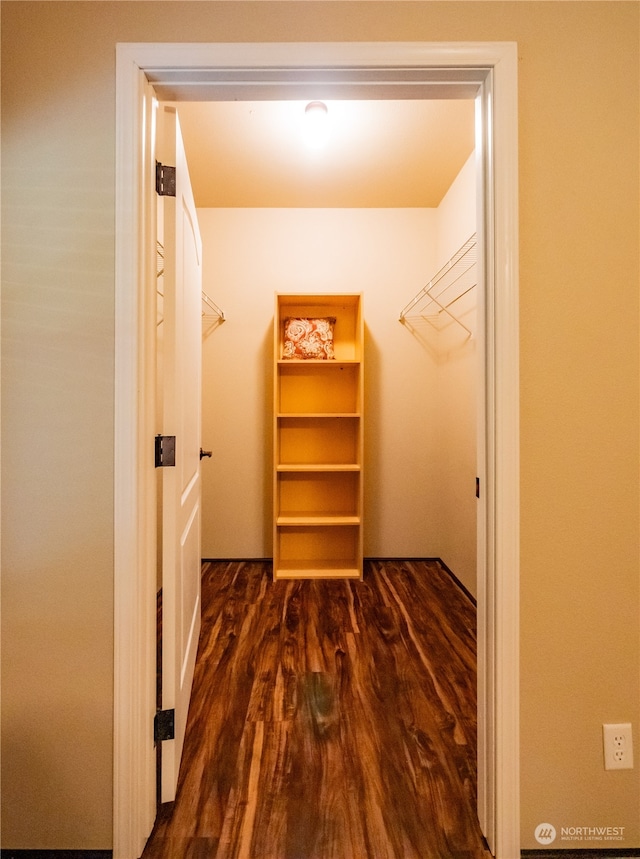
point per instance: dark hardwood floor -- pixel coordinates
(329, 720)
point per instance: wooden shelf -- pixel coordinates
(314, 362)
(323, 387)
(318, 436)
(323, 416)
(311, 519)
(301, 569)
(308, 468)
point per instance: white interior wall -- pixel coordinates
(457, 213)
(388, 255)
(457, 385)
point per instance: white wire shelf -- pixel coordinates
(210, 310)
(211, 313)
(436, 301)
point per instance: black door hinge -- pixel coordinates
(164, 725)
(165, 451)
(477, 487)
(165, 180)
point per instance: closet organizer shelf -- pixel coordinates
(307, 467)
(318, 446)
(310, 519)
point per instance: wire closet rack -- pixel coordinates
(435, 303)
(210, 310)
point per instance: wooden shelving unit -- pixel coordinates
(318, 431)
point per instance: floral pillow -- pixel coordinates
(308, 337)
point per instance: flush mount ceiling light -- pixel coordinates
(316, 124)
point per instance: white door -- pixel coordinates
(181, 339)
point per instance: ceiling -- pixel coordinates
(396, 154)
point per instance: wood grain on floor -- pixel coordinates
(329, 720)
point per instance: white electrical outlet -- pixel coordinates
(618, 747)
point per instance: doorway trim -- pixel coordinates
(485, 70)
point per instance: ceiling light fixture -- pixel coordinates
(316, 124)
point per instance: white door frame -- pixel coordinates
(485, 70)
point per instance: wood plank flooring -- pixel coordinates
(329, 720)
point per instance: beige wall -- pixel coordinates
(387, 254)
(458, 361)
(411, 421)
(578, 119)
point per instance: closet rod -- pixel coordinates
(206, 300)
(452, 273)
(217, 312)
